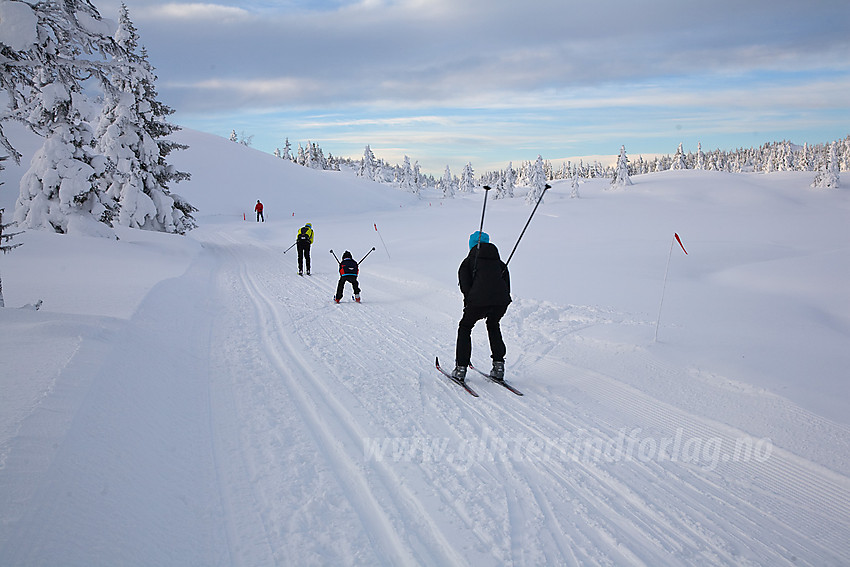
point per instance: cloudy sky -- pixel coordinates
(448, 82)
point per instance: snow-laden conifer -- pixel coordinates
(700, 158)
(44, 81)
(679, 159)
(467, 179)
(367, 164)
(621, 172)
(574, 184)
(67, 184)
(130, 135)
(59, 191)
(446, 184)
(827, 176)
(497, 184)
(510, 181)
(407, 180)
(537, 181)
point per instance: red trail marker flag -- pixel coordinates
(664, 287)
(679, 240)
(382, 239)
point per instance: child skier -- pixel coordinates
(348, 271)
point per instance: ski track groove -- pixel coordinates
(785, 473)
(815, 490)
(760, 502)
(782, 472)
(319, 404)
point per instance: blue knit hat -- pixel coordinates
(473, 238)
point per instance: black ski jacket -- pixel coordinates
(348, 267)
(490, 284)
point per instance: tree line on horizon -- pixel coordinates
(826, 160)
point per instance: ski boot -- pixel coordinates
(498, 371)
(357, 298)
(459, 373)
(336, 300)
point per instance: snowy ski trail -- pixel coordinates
(111, 469)
(429, 477)
(275, 427)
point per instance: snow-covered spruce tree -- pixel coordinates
(287, 150)
(497, 182)
(510, 181)
(574, 185)
(537, 181)
(700, 157)
(59, 191)
(131, 135)
(310, 157)
(418, 179)
(61, 45)
(407, 177)
(446, 184)
(788, 158)
(467, 179)
(827, 176)
(621, 172)
(679, 159)
(367, 164)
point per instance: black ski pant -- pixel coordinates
(471, 315)
(352, 279)
(260, 216)
(303, 254)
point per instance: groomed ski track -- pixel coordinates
(278, 428)
(357, 452)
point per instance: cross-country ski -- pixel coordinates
(502, 383)
(461, 383)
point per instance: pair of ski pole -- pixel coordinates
(484, 209)
(361, 259)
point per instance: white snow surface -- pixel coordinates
(193, 401)
(18, 25)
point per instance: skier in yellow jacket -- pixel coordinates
(303, 240)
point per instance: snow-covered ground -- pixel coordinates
(193, 401)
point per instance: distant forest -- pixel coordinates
(768, 158)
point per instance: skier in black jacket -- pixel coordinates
(348, 271)
(486, 286)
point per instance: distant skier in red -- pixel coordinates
(258, 208)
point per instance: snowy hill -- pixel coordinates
(192, 400)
